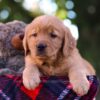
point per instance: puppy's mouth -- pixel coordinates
(41, 54)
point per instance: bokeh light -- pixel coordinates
(48, 6)
(45, 6)
(91, 9)
(30, 4)
(71, 14)
(4, 14)
(69, 4)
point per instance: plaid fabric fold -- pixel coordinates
(50, 88)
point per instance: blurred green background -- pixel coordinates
(85, 14)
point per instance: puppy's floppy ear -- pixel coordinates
(69, 42)
(25, 44)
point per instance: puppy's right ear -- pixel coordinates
(69, 42)
(25, 44)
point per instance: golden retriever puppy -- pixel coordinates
(50, 49)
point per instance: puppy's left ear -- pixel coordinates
(69, 42)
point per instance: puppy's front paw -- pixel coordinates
(30, 80)
(80, 86)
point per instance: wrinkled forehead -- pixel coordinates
(47, 20)
(45, 23)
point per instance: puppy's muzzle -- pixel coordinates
(41, 48)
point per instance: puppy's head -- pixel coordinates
(46, 36)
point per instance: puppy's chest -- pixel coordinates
(54, 69)
(45, 69)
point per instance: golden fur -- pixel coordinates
(61, 57)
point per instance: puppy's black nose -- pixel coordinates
(41, 47)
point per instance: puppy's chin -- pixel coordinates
(45, 57)
(42, 57)
(40, 60)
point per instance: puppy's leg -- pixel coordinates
(79, 82)
(31, 75)
(78, 71)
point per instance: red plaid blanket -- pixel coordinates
(50, 88)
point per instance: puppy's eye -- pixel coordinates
(34, 34)
(53, 35)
